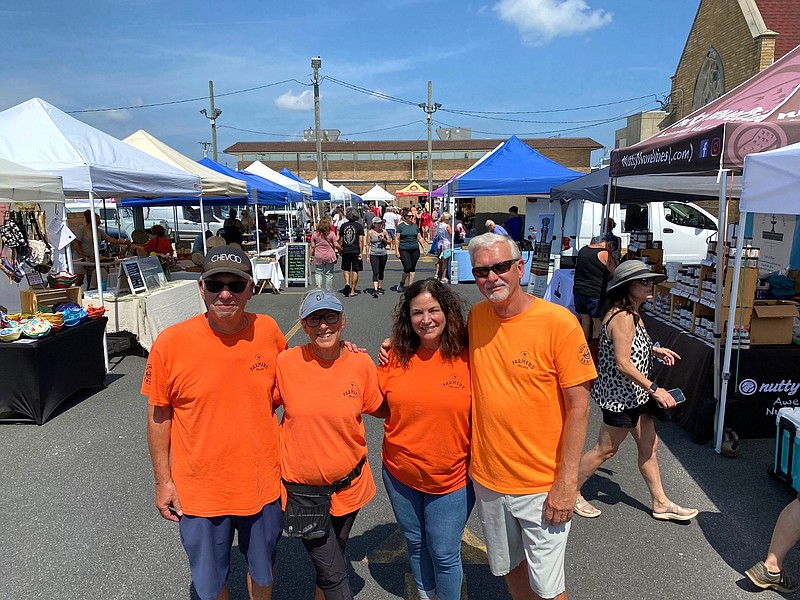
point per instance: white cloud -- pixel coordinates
(289, 101)
(539, 21)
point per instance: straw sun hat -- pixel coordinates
(630, 270)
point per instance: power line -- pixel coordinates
(187, 100)
(368, 92)
(538, 112)
(417, 122)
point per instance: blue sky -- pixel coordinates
(495, 56)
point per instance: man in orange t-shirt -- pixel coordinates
(531, 370)
(212, 431)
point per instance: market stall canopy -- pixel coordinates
(262, 170)
(350, 194)
(21, 184)
(268, 193)
(685, 187)
(316, 192)
(40, 136)
(761, 114)
(412, 189)
(512, 169)
(771, 181)
(440, 191)
(337, 195)
(214, 183)
(377, 194)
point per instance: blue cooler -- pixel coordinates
(787, 447)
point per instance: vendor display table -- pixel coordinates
(147, 315)
(762, 379)
(41, 374)
(266, 271)
(559, 290)
(465, 266)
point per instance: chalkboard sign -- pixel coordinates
(134, 274)
(297, 264)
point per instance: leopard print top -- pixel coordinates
(612, 390)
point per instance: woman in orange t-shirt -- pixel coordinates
(323, 442)
(427, 433)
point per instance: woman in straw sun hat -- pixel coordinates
(624, 389)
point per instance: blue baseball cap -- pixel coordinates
(319, 300)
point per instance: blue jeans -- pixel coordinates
(432, 525)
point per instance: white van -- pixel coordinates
(188, 219)
(684, 228)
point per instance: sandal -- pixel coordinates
(676, 513)
(584, 509)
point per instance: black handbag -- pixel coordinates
(11, 234)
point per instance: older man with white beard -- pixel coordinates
(531, 370)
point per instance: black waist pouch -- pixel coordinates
(308, 507)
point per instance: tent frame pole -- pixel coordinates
(722, 229)
(98, 272)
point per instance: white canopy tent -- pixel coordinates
(769, 185)
(262, 170)
(22, 184)
(377, 194)
(337, 195)
(40, 136)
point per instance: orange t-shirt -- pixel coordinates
(322, 433)
(224, 442)
(519, 367)
(426, 436)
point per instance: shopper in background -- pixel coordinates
(209, 381)
(324, 246)
(377, 242)
(351, 242)
(444, 233)
(159, 243)
(515, 224)
(83, 244)
(426, 384)
(323, 441)
(232, 228)
(392, 218)
(247, 221)
(625, 390)
(593, 268)
(407, 246)
(492, 227)
(769, 573)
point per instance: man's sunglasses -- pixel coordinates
(330, 318)
(499, 268)
(237, 286)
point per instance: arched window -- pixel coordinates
(710, 80)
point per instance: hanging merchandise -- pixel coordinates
(40, 256)
(11, 234)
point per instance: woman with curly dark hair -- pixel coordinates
(426, 387)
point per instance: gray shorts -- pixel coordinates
(512, 526)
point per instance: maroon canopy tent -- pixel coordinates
(761, 114)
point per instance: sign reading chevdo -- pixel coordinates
(297, 264)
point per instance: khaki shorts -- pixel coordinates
(512, 526)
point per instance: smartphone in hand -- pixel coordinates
(677, 394)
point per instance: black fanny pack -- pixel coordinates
(308, 507)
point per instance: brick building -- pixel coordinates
(729, 42)
(361, 164)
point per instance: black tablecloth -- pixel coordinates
(762, 381)
(38, 375)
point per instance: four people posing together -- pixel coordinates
(223, 464)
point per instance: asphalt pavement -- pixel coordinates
(77, 519)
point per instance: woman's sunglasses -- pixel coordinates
(645, 281)
(499, 268)
(330, 318)
(237, 286)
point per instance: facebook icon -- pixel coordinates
(703, 149)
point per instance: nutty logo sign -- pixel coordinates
(524, 361)
(259, 365)
(584, 355)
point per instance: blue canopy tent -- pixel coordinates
(512, 169)
(268, 192)
(316, 193)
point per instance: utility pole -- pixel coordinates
(429, 109)
(205, 146)
(316, 63)
(212, 115)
